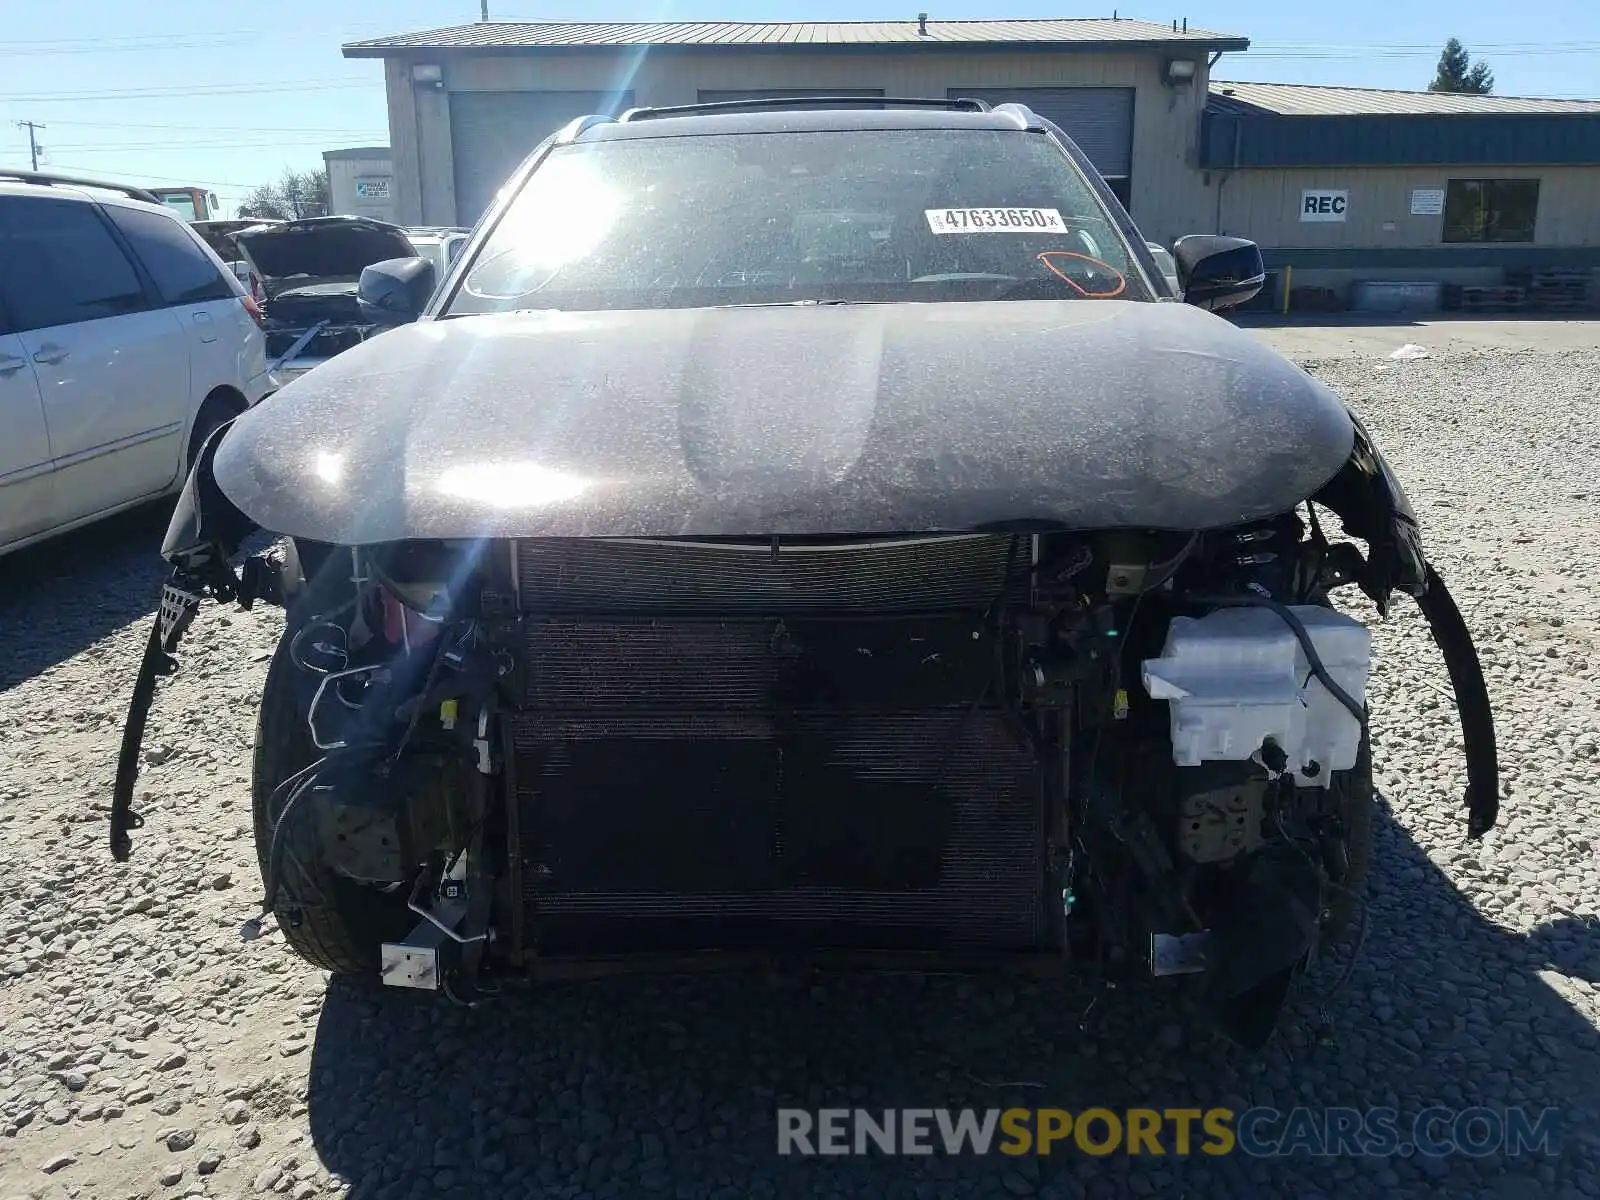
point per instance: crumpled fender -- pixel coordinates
(205, 521)
(1367, 497)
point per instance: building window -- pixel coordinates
(1119, 189)
(1490, 210)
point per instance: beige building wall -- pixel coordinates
(403, 141)
(1168, 196)
(1264, 205)
(360, 184)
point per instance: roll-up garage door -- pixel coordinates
(716, 95)
(1099, 119)
(491, 132)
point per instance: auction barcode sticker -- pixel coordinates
(995, 220)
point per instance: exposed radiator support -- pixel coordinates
(760, 748)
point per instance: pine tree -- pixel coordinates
(1456, 73)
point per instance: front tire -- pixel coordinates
(327, 919)
(1356, 801)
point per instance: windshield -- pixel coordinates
(182, 204)
(772, 218)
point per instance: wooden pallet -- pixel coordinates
(1574, 304)
(1492, 298)
(1553, 290)
(1562, 297)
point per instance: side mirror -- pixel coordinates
(1218, 272)
(396, 290)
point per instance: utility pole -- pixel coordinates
(484, 9)
(33, 128)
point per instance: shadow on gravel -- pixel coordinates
(1260, 319)
(669, 1086)
(62, 596)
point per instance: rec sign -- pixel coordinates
(1324, 204)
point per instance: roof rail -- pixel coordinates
(1031, 120)
(61, 177)
(822, 100)
(576, 127)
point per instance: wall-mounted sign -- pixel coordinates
(1324, 204)
(1427, 202)
(372, 189)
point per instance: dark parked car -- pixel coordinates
(812, 526)
(221, 234)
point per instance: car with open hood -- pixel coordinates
(220, 233)
(812, 526)
(309, 271)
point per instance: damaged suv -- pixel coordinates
(811, 526)
(310, 270)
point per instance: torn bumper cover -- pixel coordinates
(205, 532)
(1472, 702)
(1368, 498)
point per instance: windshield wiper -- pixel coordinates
(791, 303)
(1046, 287)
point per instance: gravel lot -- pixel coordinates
(146, 1051)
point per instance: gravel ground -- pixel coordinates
(146, 1051)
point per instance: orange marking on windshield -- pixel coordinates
(1047, 257)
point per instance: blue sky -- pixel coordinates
(226, 96)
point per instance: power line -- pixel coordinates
(140, 175)
(222, 89)
(1420, 56)
(147, 147)
(156, 41)
(1434, 47)
(335, 129)
(218, 43)
(1345, 51)
(93, 141)
(32, 44)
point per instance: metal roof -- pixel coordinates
(1308, 100)
(501, 36)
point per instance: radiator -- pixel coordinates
(811, 777)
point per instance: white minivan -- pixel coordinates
(124, 342)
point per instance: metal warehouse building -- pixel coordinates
(360, 181)
(1347, 184)
(1336, 184)
(466, 104)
